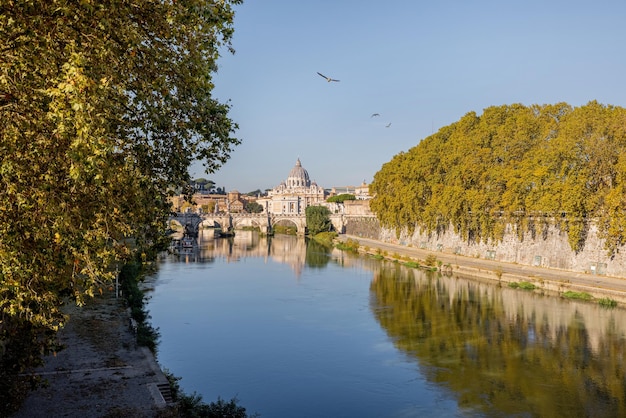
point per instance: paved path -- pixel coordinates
(596, 285)
(101, 372)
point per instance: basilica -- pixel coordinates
(291, 197)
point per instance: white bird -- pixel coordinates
(327, 78)
(388, 125)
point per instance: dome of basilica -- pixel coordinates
(298, 177)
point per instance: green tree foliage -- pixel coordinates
(340, 198)
(254, 207)
(317, 219)
(255, 193)
(525, 165)
(103, 107)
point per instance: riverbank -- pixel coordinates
(101, 372)
(552, 281)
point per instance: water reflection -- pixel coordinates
(285, 249)
(494, 351)
(506, 351)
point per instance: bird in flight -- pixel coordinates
(327, 78)
(375, 114)
(388, 125)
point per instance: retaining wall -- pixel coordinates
(549, 249)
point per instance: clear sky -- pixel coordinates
(420, 64)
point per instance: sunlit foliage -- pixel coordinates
(317, 219)
(340, 198)
(103, 106)
(529, 166)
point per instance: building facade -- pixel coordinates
(293, 196)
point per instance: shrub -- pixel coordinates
(498, 272)
(527, 286)
(348, 245)
(129, 277)
(431, 260)
(325, 238)
(522, 285)
(577, 295)
(607, 303)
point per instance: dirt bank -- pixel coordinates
(102, 372)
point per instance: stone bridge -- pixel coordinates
(193, 221)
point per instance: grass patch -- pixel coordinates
(577, 295)
(412, 264)
(325, 238)
(522, 285)
(350, 244)
(607, 303)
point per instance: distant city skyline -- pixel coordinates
(419, 65)
(226, 189)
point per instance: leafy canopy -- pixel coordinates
(103, 107)
(317, 219)
(340, 198)
(525, 165)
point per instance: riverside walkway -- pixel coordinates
(551, 280)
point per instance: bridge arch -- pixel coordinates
(299, 222)
(191, 222)
(210, 223)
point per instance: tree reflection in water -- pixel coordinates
(505, 351)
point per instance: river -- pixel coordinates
(292, 329)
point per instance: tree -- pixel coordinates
(317, 219)
(340, 198)
(103, 107)
(254, 207)
(513, 164)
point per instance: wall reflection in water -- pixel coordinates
(506, 351)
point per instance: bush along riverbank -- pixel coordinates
(182, 405)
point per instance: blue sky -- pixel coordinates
(420, 64)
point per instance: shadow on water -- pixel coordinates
(505, 351)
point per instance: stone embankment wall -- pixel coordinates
(363, 226)
(549, 249)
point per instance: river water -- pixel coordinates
(292, 329)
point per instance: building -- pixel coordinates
(294, 195)
(232, 202)
(360, 192)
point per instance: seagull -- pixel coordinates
(374, 114)
(327, 78)
(388, 125)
